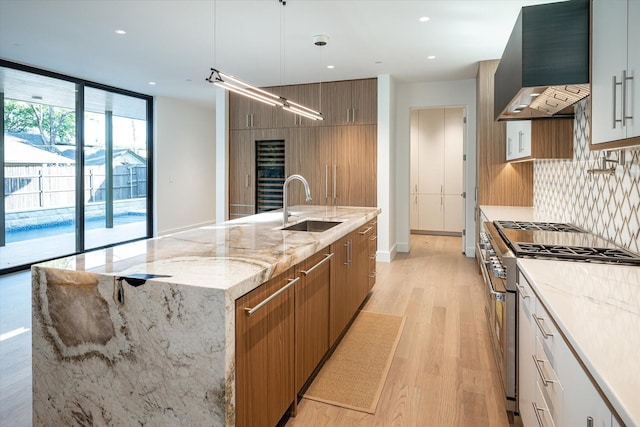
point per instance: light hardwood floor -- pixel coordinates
(443, 372)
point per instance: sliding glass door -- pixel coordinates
(74, 166)
(115, 168)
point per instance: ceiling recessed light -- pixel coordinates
(152, 83)
(424, 19)
(431, 57)
(331, 67)
(120, 32)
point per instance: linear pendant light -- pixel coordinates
(232, 84)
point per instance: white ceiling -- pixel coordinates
(175, 42)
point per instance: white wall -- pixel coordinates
(184, 160)
(386, 168)
(424, 95)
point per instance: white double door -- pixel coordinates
(437, 145)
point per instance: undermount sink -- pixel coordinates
(312, 226)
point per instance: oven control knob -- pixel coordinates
(499, 272)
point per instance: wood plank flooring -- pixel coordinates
(443, 372)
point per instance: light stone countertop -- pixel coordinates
(597, 309)
(235, 256)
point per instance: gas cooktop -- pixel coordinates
(542, 226)
(561, 241)
(575, 253)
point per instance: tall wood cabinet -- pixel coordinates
(337, 156)
(437, 142)
(265, 353)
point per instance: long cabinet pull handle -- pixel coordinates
(624, 97)
(509, 146)
(266, 301)
(246, 180)
(326, 181)
(539, 320)
(522, 291)
(326, 258)
(615, 101)
(543, 377)
(373, 238)
(366, 231)
(520, 145)
(536, 411)
(353, 115)
(348, 110)
(346, 249)
(589, 421)
(335, 175)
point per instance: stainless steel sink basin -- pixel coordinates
(312, 226)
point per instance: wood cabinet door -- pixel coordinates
(309, 95)
(339, 309)
(312, 314)
(364, 101)
(308, 155)
(265, 354)
(360, 264)
(355, 165)
(239, 111)
(241, 173)
(336, 101)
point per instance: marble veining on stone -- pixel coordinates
(161, 352)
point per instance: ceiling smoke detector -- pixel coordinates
(320, 39)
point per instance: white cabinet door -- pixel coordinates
(518, 139)
(608, 60)
(453, 150)
(431, 208)
(431, 151)
(582, 402)
(453, 211)
(633, 69)
(415, 151)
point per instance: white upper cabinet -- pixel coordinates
(615, 59)
(518, 139)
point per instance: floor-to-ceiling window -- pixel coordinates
(74, 166)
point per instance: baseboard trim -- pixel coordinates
(386, 256)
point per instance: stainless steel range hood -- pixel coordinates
(544, 69)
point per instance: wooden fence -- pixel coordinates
(45, 186)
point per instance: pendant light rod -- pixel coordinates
(235, 85)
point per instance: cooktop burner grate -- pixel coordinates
(577, 253)
(542, 226)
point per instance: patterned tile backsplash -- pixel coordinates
(607, 205)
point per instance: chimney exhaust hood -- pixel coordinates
(544, 69)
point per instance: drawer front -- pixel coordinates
(549, 384)
(551, 340)
(541, 411)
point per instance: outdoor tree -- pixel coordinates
(55, 125)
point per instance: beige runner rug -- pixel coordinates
(355, 373)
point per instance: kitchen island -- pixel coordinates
(145, 332)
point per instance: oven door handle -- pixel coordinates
(498, 296)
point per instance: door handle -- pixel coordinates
(615, 101)
(326, 182)
(624, 98)
(335, 178)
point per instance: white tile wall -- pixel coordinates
(607, 205)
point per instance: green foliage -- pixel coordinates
(54, 124)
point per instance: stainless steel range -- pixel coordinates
(501, 243)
